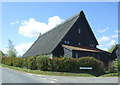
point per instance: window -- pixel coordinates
(67, 42)
(91, 45)
(76, 55)
(79, 31)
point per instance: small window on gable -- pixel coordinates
(68, 42)
(65, 42)
(91, 45)
(79, 43)
(79, 31)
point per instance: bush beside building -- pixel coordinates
(62, 64)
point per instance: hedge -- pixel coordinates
(17, 62)
(7, 61)
(31, 63)
(62, 64)
(42, 63)
(97, 65)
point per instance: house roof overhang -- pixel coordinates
(81, 48)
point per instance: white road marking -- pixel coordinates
(39, 75)
(53, 82)
(43, 78)
(29, 73)
(55, 79)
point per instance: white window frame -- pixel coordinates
(76, 55)
(79, 30)
(65, 42)
(92, 45)
(68, 42)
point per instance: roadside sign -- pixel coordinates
(84, 68)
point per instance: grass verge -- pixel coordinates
(58, 73)
(111, 75)
(48, 72)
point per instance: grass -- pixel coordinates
(117, 74)
(110, 75)
(48, 72)
(58, 73)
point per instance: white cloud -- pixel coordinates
(106, 49)
(117, 31)
(107, 45)
(5, 50)
(115, 36)
(21, 49)
(33, 28)
(54, 21)
(16, 22)
(112, 42)
(103, 30)
(103, 39)
(12, 23)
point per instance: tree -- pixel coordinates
(1, 54)
(11, 50)
(11, 53)
(111, 49)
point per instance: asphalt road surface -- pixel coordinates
(13, 76)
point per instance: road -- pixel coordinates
(13, 76)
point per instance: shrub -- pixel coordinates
(17, 62)
(97, 65)
(24, 63)
(31, 62)
(63, 64)
(7, 61)
(42, 63)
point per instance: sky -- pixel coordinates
(23, 22)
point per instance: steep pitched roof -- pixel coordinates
(47, 42)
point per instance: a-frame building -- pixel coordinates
(73, 38)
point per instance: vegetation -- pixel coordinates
(97, 65)
(58, 73)
(11, 53)
(48, 72)
(1, 55)
(111, 49)
(62, 64)
(117, 64)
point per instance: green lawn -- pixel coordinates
(58, 73)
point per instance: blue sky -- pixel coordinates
(22, 21)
